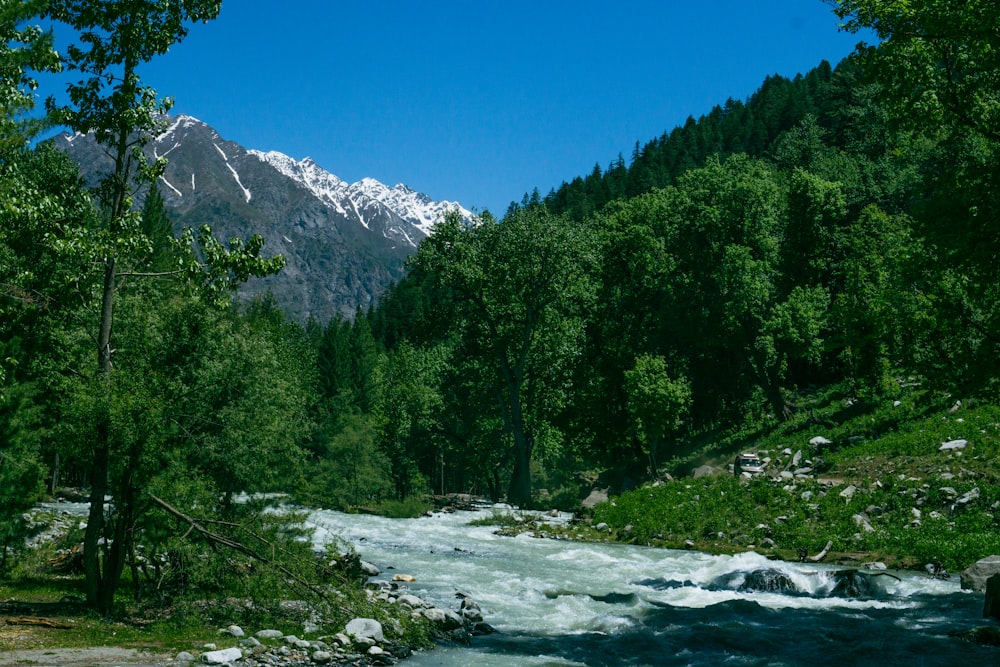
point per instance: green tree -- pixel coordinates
(938, 68)
(24, 50)
(657, 402)
(938, 61)
(110, 101)
(522, 285)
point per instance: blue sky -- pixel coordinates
(480, 101)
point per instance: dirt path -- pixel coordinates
(104, 656)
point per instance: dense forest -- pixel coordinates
(839, 227)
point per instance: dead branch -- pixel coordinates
(215, 538)
(42, 622)
(822, 554)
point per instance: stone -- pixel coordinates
(342, 639)
(863, 523)
(405, 578)
(819, 441)
(848, 493)
(250, 642)
(967, 498)
(302, 644)
(184, 657)
(321, 657)
(704, 471)
(974, 577)
(411, 601)
(235, 631)
(796, 458)
(369, 570)
(952, 445)
(365, 627)
(596, 497)
(601, 527)
(874, 565)
(991, 607)
(269, 634)
(222, 657)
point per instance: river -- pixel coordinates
(566, 603)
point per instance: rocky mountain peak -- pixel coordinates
(344, 244)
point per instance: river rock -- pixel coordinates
(369, 570)
(365, 628)
(411, 601)
(321, 657)
(184, 658)
(222, 657)
(974, 577)
(234, 630)
(269, 634)
(405, 578)
(991, 607)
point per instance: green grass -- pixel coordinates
(890, 453)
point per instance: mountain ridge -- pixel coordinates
(344, 243)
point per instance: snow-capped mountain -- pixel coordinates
(344, 243)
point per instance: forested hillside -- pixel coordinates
(835, 229)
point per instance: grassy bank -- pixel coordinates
(875, 482)
(42, 603)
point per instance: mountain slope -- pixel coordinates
(344, 243)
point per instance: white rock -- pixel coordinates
(235, 631)
(369, 570)
(322, 657)
(874, 565)
(410, 601)
(365, 627)
(848, 493)
(184, 656)
(269, 634)
(968, 497)
(952, 445)
(222, 657)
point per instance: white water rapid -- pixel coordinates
(566, 603)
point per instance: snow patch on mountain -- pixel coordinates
(246, 193)
(412, 207)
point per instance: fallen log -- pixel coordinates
(215, 538)
(822, 554)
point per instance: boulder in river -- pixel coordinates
(974, 577)
(991, 608)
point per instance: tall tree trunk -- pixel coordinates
(102, 448)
